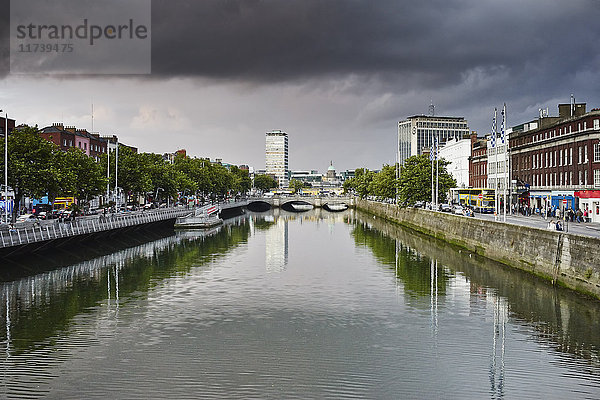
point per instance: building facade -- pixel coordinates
(70, 137)
(276, 157)
(457, 152)
(418, 132)
(558, 159)
(478, 162)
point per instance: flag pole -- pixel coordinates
(505, 142)
(495, 149)
(437, 171)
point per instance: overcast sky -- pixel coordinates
(337, 76)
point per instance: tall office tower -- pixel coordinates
(418, 133)
(276, 156)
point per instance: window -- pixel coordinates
(571, 177)
(585, 159)
(570, 156)
(597, 177)
(64, 142)
(561, 158)
(596, 152)
(580, 178)
(585, 179)
(597, 124)
(580, 153)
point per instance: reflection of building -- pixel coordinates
(276, 156)
(276, 246)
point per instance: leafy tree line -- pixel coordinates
(37, 167)
(413, 183)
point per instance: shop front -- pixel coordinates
(590, 200)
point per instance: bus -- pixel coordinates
(481, 200)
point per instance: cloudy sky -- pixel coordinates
(336, 75)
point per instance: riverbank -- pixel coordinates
(561, 258)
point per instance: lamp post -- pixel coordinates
(5, 166)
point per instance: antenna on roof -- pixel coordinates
(431, 109)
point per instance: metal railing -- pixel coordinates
(40, 231)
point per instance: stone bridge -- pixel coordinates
(278, 201)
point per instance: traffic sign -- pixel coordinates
(480, 195)
(564, 201)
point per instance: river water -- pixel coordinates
(280, 305)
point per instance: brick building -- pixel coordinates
(558, 158)
(478, 162)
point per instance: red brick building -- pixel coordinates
(478, 162)
(69, 137)
(559, 157)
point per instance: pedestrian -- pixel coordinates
(551, 226)
(579, 215)
(585, 215)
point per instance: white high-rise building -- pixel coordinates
(457, 152)
(419, 132)
(276, 156)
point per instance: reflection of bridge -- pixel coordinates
(278, 201)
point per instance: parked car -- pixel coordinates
(419, 204)
(459, 210)
(26, 218)
(445, 207)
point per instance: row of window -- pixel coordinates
(442, 125)
(565, 179)
(564, 130)
(93, 147)
(562, 157)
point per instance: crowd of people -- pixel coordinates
(569, 214)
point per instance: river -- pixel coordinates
(282, 305)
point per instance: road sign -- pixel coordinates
(564, 201)
(480, 195)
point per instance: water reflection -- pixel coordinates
(276, 244)
(560, 319)
(38, 306)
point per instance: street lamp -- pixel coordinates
(5, 166)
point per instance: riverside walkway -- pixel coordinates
(41, 233)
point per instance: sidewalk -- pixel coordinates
(591, 229)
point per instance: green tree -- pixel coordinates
(264, 182)
(241, 179)
(33, 166)
(384, 183)
(415, 180)
(361, 183)
(296, 185)
(81, 175)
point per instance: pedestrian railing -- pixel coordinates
(55, 229)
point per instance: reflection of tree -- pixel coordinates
(413, 269)
(560, 318)
(55, 298)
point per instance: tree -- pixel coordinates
(264, 182)
(296, 185)
(33, 167)
(384, 183)
(415, 180)
(241, 179)
(361, 182)
(81, 175)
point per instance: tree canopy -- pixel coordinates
(415, 180)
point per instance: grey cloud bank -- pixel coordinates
(336, 75)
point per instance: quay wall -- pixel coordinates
(564, 259)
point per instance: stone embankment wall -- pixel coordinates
(562, 258)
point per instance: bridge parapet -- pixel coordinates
(316, 201)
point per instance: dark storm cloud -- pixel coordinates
(418, 44)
